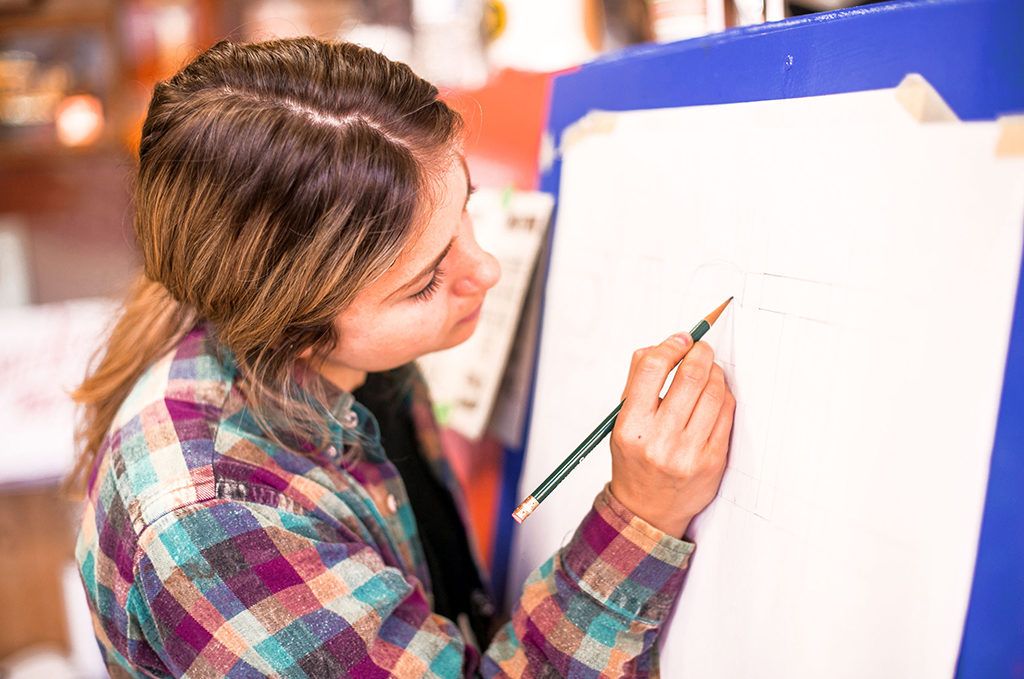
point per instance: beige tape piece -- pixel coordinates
(922, 102)
(1011, 136)
(595, 122)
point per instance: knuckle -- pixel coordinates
(702, 352)
(715, 391)
(688, 468)
(663, 466)
(699, 359)
(654, 361)
(712, 466)
(650, 455)
(626, 435)
(727, 408)
(687, 443)
(692, 374)
(719, 460)
(636, 359)
(703, 464)
(653, 453)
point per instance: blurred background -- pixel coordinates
(75, 80)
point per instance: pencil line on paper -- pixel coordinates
(797, 278)
(789, 315)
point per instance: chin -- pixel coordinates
(460, 333)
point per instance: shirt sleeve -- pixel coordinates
(596, 606)
(243, 589)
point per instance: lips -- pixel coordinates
(473, 314)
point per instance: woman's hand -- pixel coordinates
(668, 455)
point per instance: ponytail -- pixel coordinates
(150, 323)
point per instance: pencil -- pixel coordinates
(531, 503)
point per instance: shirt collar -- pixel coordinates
(348, 420)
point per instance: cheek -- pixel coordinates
(416, 326)
(385, 340)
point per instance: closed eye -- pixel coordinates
(431, 287)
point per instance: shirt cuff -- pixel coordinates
(626, 563)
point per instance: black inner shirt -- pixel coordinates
(454, 577)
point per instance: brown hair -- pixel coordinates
(276, 180)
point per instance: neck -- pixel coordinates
(342, 376)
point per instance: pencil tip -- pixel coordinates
(713, 316)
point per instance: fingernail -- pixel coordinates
(682, 337)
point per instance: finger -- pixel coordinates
(710, 403)
(719, 439)
(652, 367)
(632, 368)
(687, 385)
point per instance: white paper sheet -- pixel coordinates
(874, 260)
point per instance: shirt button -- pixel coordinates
(332, 451)
(392, 503)
(482, 603)
(350, 420)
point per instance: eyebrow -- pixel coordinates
(444, 253)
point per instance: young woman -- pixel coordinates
(265, 492)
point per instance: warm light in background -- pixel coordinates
(79, 120)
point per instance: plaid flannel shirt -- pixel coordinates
(206, 550)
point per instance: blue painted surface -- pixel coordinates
(972, 52)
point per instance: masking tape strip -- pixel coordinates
(1011, 136)
(922, 102)
(595, 122)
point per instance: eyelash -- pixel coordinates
(435, 282)
(431, 287)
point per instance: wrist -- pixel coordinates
(671, 523)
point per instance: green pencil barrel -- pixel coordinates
(589, 443)
(699, 330)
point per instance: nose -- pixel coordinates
(482, 273)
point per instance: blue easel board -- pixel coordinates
(972, 52)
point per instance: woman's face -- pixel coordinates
(430, 299)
